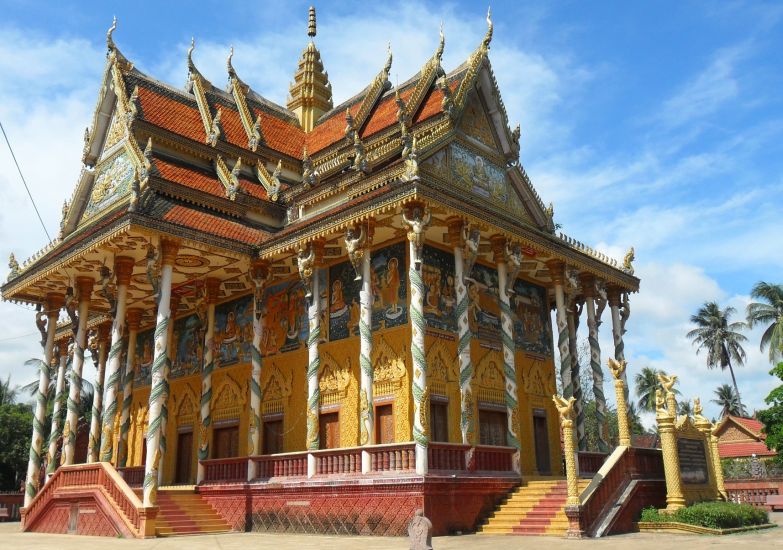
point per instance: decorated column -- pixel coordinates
(417, 217)
(566, 409)
(58, 408)
(716, 465)
(666, 416)
(84, 288)
(123, 269)
(259, 275)
(620, 312)
(572, 316)
(97, 400)
(308, 260)
(705, 427)
(588, 290)
(499, 247)
(212, 286)
(134, 320)
(618, 372)
(158, 390)
(53, 304)
(556, 273)
(164, 410)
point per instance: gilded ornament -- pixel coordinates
(364, 414)
(354, 241)
(617, 368)
(417, 218)
(305, 261)
(40, 324)
(309, 174)
(630, 256)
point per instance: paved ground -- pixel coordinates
(12, 539)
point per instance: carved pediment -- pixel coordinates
(334, 377)
(228, 395)
(277, 387)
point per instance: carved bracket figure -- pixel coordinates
(309, 174)
(514, 260)
(72, 308)
(418, 220)
(259, 277)
(472, 238)
(625, 312)
(600, 301)
(354, 241)
(107, 290)
(305, 260)
(153, 271)
(410, 156)
(40, 323)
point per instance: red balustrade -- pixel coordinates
(338, 461)
(133, 475)
(447, 456)
(398, 457)
(590, 463)
(493, 459)
(753, 491)
(225, 470)
(283, 465)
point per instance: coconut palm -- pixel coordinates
(770, 310)
(685, 408)
(728, 401)
(7, 393)
(720, 338)
(646, 382)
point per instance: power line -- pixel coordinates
(13, 156)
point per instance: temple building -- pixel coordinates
(310, 315)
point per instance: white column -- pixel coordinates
(556, 273)
(588, 289)
(259, 276)
(507, 339)
(158, 390)
(57, 411)
(213, 289)
(52, 305)
(164, 409)
(85, 285)
(309, 272)
(134, 319)
(123, 269)
(97, 408)
(613, 295)
(367, 376)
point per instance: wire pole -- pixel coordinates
(13, 156)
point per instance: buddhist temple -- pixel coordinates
(309, 316)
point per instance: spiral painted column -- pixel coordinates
(164, 410)
(123, 269)
(259, 276)
(613, 295)
(507, 339)
(576, 382)
(467, 418)
(556, 268)
(213, 291)
(58, 408)
(84, 285)
(158, 392)
(588, 289)
(53, 304)
(95, 420)
(134, 320)
(313, 353)
(366, 374)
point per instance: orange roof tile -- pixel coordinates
(213, 225)
(202, 181)
(329, 131)
(385, 113)
(281, 135)
(736, 450)
(231, 124)
(171, 114)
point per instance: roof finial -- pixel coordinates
(229, 66)
(311, 22)
(190, 52)
(387, 67)
(442, 42)
(109, 39)
(488, 36)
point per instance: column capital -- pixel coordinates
(212, 285)
(613, 293)
(84, 285)
(174, 302)
(54, 302)
(168, 250)
(62, 347)
(259, 269)
(318, 249)
(498, 243)
(104, 332)
(588, 284)
(134, 318)
(123, 269)
(556, 271)
(456, 225)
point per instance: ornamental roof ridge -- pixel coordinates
(590, 251)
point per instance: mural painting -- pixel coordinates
(145, 353)
(112, 182)
(234, 331)
(188, 349)
(483, 309)
(440, 298)
(532, 331)
(389, 287)
(477, 174)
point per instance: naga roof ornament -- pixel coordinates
(197, 84)
(238, 89)
(474, 63)
(378, 87)
(427, 75)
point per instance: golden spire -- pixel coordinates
(109, 39)
(311, 92)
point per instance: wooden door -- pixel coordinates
(541, 438)
(226, 442)
(384, 424)
(273, 436)
(184, 457)
(329, 430)
(439, 422)
(492, 428)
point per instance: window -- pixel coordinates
(492, 428)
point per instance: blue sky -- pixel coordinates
(657, 125)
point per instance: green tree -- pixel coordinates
(16, 420)
(8, 393)
(769, 311)
(685, 408)
(772, 418)
(720, 338)
(728, 401)
(646, 382)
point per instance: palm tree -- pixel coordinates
(720, 338)
(646, 383)
(728, 401)
(769, 311)
(7, 393)
(685, 408)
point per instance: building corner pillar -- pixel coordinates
(212, 288)
(259, 275)
(103, 335)
(133, 322)
(58, 409)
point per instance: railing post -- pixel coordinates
(311, 465)
(572, 508)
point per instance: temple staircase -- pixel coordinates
(182, 511)
(535, 508)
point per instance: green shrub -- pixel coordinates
(715, 515)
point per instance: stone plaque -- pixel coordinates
(693, 461)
